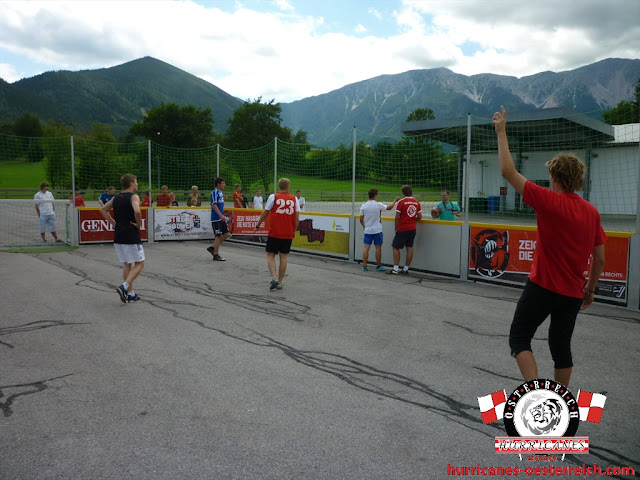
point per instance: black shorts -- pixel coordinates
(535, 305)
(219, 228)
(404, 239)
(278, 245)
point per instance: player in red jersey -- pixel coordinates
(408, 211)
(569, 231)
(285, 214)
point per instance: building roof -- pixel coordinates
(530, 130)
(628, 133)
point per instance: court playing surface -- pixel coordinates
(343, 374)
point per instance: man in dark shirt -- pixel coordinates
(127, 220)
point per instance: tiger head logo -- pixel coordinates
(543, 417)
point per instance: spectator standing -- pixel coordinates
(46, 212)
(148, 199)
(372, 224)
(447, 208)
(301, 200)
(194, 200)
(218, 219)
(174, 202)
(106, 196)
(237, 196)
(127, 220)
(569, 231)
(284, 223)
(408, 212)
(258, 201)
(79, 201)
(164, 199)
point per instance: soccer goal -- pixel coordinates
(20, 225)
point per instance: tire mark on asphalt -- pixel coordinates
(34, 387)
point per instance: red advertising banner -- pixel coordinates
(505, 253)
(93, 228)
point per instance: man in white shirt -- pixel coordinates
(46, 212)
(301, 200)
(372, 224)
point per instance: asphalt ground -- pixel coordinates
(342, 374)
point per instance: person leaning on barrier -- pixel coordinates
(569, 231)
(106, 196)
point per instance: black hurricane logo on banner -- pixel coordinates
(541, 407)
(490, 253)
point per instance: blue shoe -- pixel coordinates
(133, 298)
(279, 286)
(364, 268)
(274, 284)
(381, 269)
(123, 293)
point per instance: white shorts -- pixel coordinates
(129, 253)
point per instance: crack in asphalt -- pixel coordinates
(34, 387)
(32, 326)
(359, 375)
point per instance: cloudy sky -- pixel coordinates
(292, 49)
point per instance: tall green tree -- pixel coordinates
(420, 114)
(254, 125)
(174, 126)
(626, 111)
(29, 127)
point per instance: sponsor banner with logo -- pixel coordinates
(178, 223)
(322, 233)
(505, 253)
(93, 228)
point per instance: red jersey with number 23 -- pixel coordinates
(283, 216)
(408, 208)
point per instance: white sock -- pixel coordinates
(406, 269)
(125, 285)
(132, 293)
(396, 268)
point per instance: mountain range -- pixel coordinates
(120, 95)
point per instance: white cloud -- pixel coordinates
(8, 73)
(288, 56)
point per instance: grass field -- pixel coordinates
(28, 175)
(21, 174)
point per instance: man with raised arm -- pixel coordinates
(569, 231)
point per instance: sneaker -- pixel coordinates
(279, 286)
(274, 284)
(364, 268)
(123, 293)
(404, 272)
(133, 298)
(394, 272)
(44, 241)
(381, 269)
(218, 258)
(59, 241)
(210, 250)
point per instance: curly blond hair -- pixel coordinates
(568, 171)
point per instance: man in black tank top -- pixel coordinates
(127, 220)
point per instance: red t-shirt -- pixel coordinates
(408, 207)
(283, 216)
(163, 200)
(568, 231)
(79, 201)
(237, 199)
